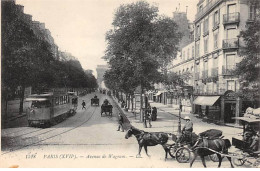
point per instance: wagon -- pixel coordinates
(106, 109)
(94, 101)
(182, 151)
(243, 155)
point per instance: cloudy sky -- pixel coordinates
(79, 26)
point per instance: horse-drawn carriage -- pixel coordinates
(247, 146)
(106, 108)
(95, 101)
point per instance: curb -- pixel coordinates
(127, 123)
(16, 117)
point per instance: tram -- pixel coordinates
(48, 108)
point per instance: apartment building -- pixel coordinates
(217, 27)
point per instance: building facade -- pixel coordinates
(184, 64)
(217, 27)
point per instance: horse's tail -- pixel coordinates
(227, 143)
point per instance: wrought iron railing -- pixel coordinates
(230, 43)
(228, 69)
(207, 8)
(231, 18)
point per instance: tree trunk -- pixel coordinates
(21, 100)
(128, 99)
(132, 101)
(141, 104)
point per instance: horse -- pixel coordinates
(218, 145)
(148, 139)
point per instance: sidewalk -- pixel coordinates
(167, 121)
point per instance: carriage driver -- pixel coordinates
(188, 128)
(105, 102)
(95, 97)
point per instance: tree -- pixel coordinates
(140, 45)
(249, 67)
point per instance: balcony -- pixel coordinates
(232, 18)
(197, 76)
(214, 72)
(230, 44)
(228, 69)
(211, 5)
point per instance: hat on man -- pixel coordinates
(187, 118)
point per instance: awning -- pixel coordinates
(250, 120)
(158, 93)
(206, 100)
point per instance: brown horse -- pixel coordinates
(202, 146)
(148, 139)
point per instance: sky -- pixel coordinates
(79, 26)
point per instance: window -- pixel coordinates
(198, 31)
(206, 45)
(191, 69)
(216, 40)
(197, 49)
(215, 87)
(197, 68)
(252, 11)
(205, 65)
(206, 26)
(188, 53)
(231, 33)
(192, 51)
(231, 8)
(216, 19)
(231, 85)
(230, 61)
(183, 55)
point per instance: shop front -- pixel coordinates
(219, 109)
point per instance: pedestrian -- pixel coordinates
(83, 105)
(120, 122)
(187, 129)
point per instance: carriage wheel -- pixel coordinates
(214, 158)
(238, 161)
(172, 151)
(182, 155)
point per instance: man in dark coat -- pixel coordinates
(83, 105)
(120, 122)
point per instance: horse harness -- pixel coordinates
(217, 141)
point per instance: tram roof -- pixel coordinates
(41, 95)
(36, 99)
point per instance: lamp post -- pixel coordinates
(178, 95)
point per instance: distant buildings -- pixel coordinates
(101, 69)
(65, 56)
(37, 27)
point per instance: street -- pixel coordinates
(84, 139)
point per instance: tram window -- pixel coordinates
(61, 100)
(41, 104)
(57, 101)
